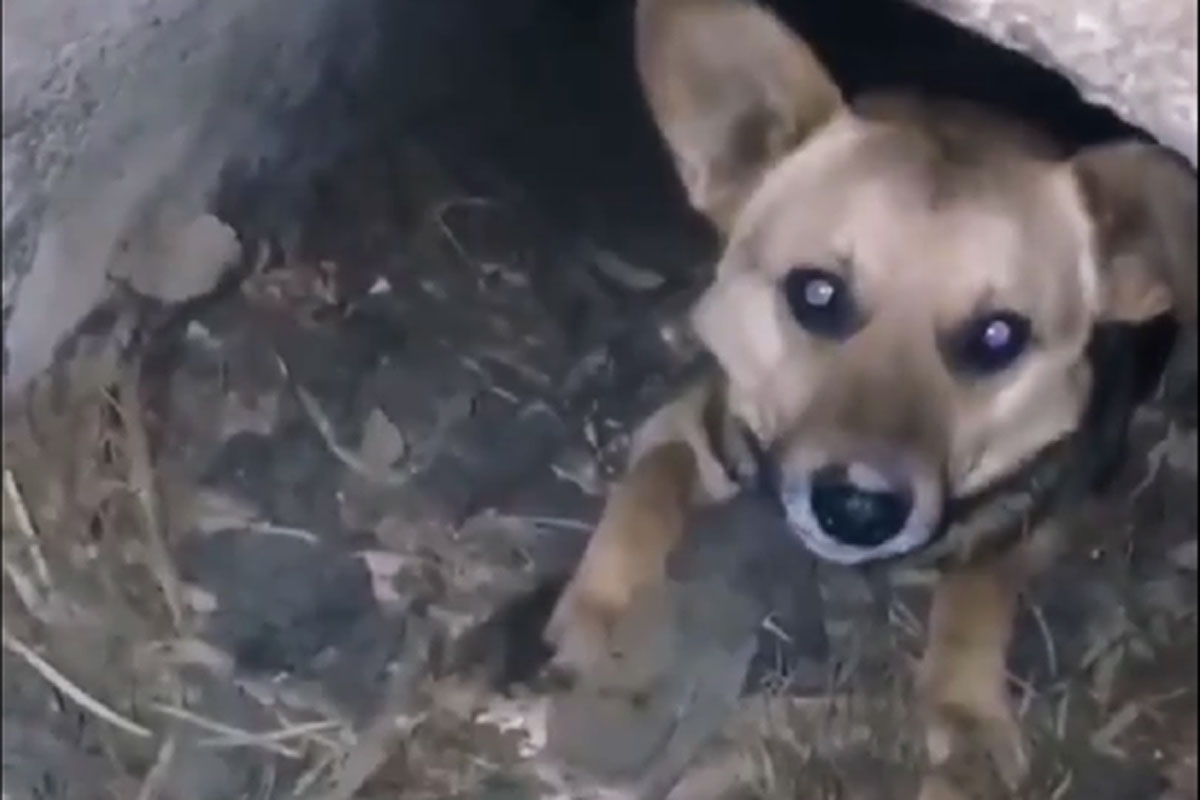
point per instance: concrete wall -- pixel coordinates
(119, 116)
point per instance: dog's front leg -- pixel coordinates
(644, 518)
(963, 680)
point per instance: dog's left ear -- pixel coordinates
(1142, 201)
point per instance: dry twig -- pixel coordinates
(226, 730)
(69, 689)
(27, 529)
(158, 772)
(144, 487)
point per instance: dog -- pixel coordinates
(923, 325)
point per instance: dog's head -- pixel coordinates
(908, 289)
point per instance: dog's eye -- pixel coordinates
(820, 301)
(992, 342)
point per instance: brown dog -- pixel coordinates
(917, 317)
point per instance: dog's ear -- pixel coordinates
(1142, 201)
(731, 90)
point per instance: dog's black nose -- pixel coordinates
(858, 512)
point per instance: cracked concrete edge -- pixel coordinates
(1136, 57)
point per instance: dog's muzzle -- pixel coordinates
(857, 515)
(848, 514)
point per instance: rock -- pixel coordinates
(185, 263)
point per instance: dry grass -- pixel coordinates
(96, 610)
(85, 556)
(97, 613)
(1128, 704)
(94, 605)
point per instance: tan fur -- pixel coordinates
(932, 213)
(643, 520)
(963, 674)
(688, 70)
(858, 199)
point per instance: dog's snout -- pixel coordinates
(859, 506)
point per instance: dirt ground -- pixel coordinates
(296, 540)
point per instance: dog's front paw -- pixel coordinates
(970, 747)
(582, 628)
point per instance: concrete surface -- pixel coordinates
(119, 117)
(1137, 57)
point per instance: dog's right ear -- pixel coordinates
(732, 90)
